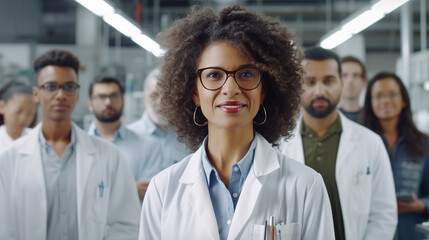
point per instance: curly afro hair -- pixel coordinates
(272, 48)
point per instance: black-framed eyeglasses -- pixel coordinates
(213, 78)
(69, 87)
(112, 97)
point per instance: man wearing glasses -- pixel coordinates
(142, 153)
(58, 182)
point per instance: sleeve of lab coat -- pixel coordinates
(318, 223)
(124, 207)
(383, 215)
(150, 222)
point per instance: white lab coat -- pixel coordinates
(6, 140)
(177, 204)
(23, 205)
(364, 180)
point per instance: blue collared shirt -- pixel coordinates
(61, 188)
(143, 154)
(224, 199)
(172, 150)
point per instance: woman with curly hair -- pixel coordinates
(230, 83)
(387, 111)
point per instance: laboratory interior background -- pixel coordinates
(118, 38)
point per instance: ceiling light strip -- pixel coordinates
(120, 22)
(359, 21)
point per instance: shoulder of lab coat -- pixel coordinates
(180, 192)
(368, 201)
(94, 158)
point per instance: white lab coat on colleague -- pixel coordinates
(113, 214)
(177, 204)
(6, 140)
(364, 180)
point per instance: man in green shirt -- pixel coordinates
(351, 159)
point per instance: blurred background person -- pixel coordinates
(153, 124)
(354, 80)
(17, 111)
(143, 153)
(387, 111)
(351, 159)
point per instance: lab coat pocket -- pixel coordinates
(290, 231)
(101, 203)
(362, 193)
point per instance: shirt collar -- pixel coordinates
(244, 164)
(45, 144)
(120, 133)
(335, 127)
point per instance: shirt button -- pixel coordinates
(318, 158)
(319, 144)
(310, 135)
(236, 169)
(229, 221)
(235, 195)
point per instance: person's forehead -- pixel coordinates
(320, 67)
(351, 66)
(56, 74)
(105, 88)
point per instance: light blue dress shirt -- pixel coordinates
(143, 154)
(224, 199)
(61, 188)
(172, 150)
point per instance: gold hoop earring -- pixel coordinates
(265, 116)
(195, 116)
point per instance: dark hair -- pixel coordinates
(56, 57)
(355, 60)
(319, 54)
(414, 140)
(266, 43)
(105, 79)
(11, 88)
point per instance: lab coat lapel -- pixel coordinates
(265, 161)
(199, 196)
(347, 143)
(294, 148)
(85, 152)
(32, 171)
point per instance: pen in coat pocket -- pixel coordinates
(101, 189)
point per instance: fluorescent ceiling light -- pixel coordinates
(362, 21)
(426, 85)
(387, 6)
(118, 21)
(98, 7)
(364, 18)
(122, 24)
(148, 44)
(335, 39)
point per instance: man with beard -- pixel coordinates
(143, 154)
(153, 124)
(351, 159)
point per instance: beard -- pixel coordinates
(320, 112)
(107, 119)
(156, 117)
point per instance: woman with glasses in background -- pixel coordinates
(387, 111)
(230, 83)
(17, 111)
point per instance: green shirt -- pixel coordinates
(321, 154)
